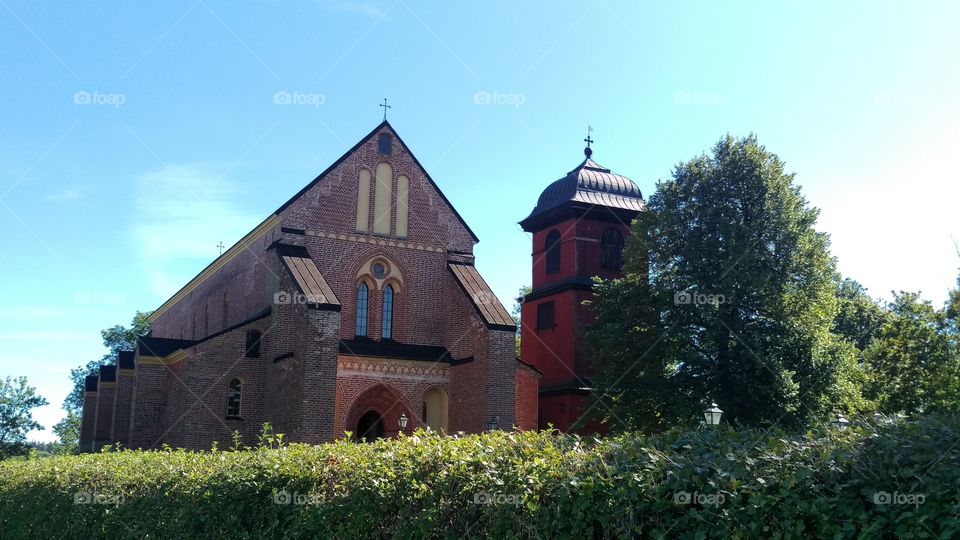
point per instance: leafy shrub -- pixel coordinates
(900, 479)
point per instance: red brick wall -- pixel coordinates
(88, 421)
(527, 399)
(103, 426)
(559, 352)
(122, 406)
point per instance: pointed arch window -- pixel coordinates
(388, 313)
(234, 394)
(552, 248)
(362, 294)
(611, 244)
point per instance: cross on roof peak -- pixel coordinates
(385, 107)
(589, 140)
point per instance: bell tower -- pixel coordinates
(579, 225)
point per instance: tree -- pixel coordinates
(729, 296)
(914, 365)
(115, 339)
(68, 433)
(17, 401)
(515, 313)
(859, 317)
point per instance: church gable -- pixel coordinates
(379, 192)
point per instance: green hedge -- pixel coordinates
(874, 482)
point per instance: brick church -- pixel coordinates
(356, 307)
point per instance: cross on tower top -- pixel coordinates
(588, 151)
(385, 107)
(221, 246)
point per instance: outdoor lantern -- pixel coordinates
(712, 415)
(841, 422)
(403, 421)
(494, 423)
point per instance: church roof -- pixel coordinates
(161, 347)
(589, 184)
(389, 348)
(307, 276)
(485, 302)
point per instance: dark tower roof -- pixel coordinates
(589, 184)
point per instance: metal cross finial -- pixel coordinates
(221, 246)
(588, 140)
(385, 107)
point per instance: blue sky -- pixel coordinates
(134, 138)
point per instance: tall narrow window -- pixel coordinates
(253, 344)
(362, 309)
(233, 398)
(552, 248)
(383, 144)
(381, 199)
(363, 200)
(611, 244)
(388, 313)
(403, 196)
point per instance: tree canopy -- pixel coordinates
(17, 401)
(729, 296)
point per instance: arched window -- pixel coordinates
(233, 398)
(611, 242)
(363, 200)
(553, 252)
(388, 313)
(362, 293)
(382, 199)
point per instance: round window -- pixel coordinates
(379, 271)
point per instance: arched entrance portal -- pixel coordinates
(370, 427)
(376, 413)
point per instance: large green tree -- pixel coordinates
(729, 296)
(17, 401)
(914, 365)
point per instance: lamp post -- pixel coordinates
(403, 421)
(712, 414)
(841, 423)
